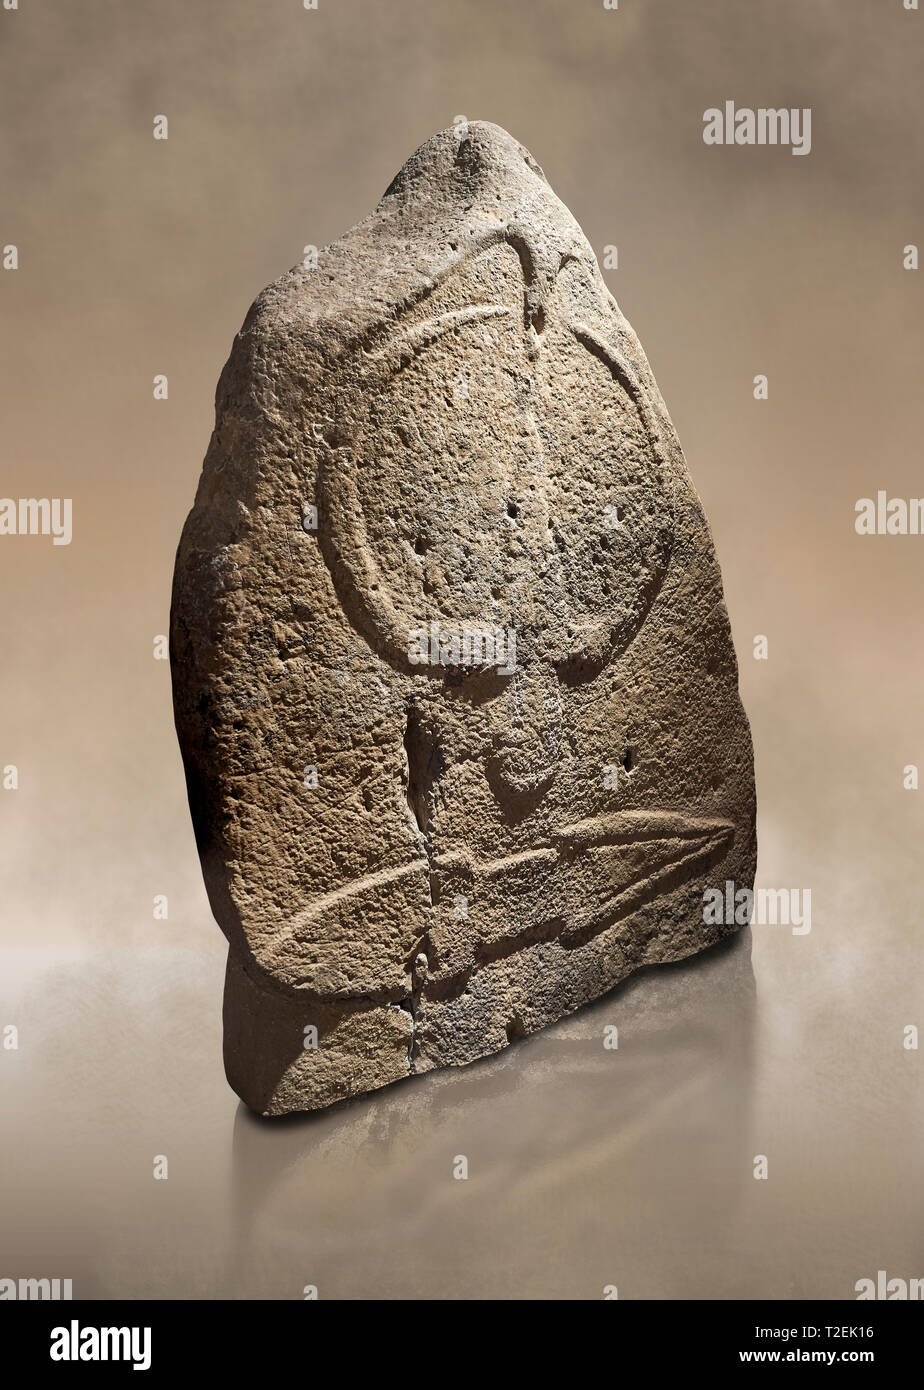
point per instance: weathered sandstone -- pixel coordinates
(453, 677)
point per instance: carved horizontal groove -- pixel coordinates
(679, 844)
(632, 827)
(686, 844)
(461, 862)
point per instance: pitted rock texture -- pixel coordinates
(422, 846)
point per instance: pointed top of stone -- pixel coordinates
(467, 153)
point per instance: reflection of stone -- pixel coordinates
(582, 1156)
(579, 804)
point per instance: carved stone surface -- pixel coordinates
(453, 677)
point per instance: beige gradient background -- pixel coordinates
(140, 257)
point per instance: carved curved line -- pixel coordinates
(348, 894)
(663, 879)
(344, 545)
(344, 540)
(600, 638)
(509, 234)
(413, 340)
(338, 896)
(627, 379)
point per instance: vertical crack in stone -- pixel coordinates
(423, 764)
(417, 758)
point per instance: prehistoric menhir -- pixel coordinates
(453, 676)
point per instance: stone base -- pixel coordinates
(359, 1048)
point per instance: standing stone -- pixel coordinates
(453, 677)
